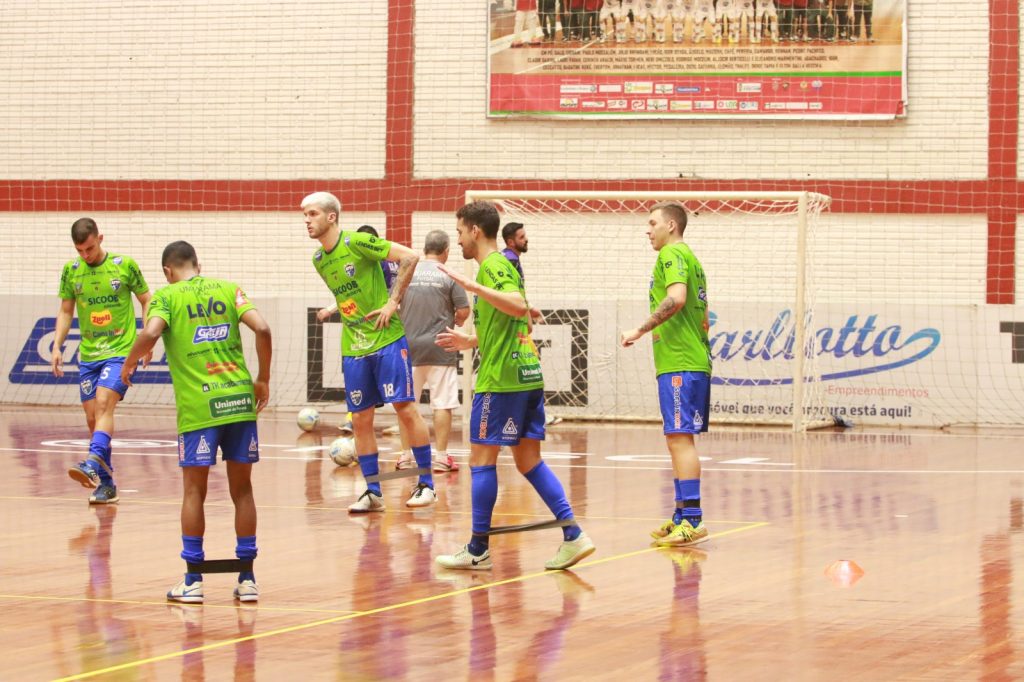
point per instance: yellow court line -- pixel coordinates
(35, 597)
(370, 612)
(227, 505)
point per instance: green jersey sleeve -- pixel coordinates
(136, 282)
(160, 306)
(368, 246)
(67, 289)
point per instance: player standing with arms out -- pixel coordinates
(100, 285)
(682, 360)
(375, 359)
(508, 399)
(216, 399)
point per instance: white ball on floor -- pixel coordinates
(308, 419)
(343, 451)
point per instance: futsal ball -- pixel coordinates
(308, 419)
(343, 451)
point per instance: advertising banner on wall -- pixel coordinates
(870, 364)
(840, 59)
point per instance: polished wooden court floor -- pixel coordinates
(857, 555)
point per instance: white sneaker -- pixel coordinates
(465, 561)
(187, 594)
(444, 465)
(247, 590)
(367, 502)
(422, 496)
(570, 553)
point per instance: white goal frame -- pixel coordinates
(803, 202)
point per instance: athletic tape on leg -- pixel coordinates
(540, 525)
(99, 460)
(220, 566)
(401, 473)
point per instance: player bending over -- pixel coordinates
(216, 398)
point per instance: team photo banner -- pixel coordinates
(768, 59)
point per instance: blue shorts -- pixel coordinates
(383, 376)
(105, 373)
(238, 442)
(504, 418)
(685, 399)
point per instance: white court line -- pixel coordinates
(620, 467)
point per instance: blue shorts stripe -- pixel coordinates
(505, 418)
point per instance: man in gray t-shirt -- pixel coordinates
(432, 303)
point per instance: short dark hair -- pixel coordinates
(510, 229)
(483, 214)
(82, 229)
(177, 254)
(368, 229)
(672, 210)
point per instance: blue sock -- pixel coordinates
(690, 490)
(422, 455)
(368, 465)
(551, 491)
(677, 512)
(192, 551)
(484, 481)
(246, 549)
(99, 446)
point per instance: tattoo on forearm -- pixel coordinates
(406, 267)
(661, 313)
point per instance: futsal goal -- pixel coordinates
(588, 269)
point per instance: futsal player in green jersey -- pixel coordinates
(682, 360)
(99, 285)
(375, 359)
(216, 398)
(508, 398)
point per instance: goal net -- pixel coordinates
(588, 269)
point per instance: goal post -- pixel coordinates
(588, 267)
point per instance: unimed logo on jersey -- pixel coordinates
(239, 403)
(33, 363)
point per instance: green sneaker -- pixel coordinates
(663, 530)
(685, 535)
